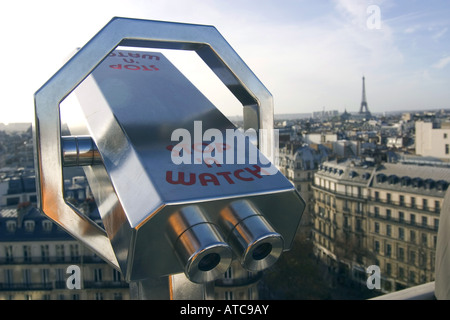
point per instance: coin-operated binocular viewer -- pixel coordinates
(180, 191)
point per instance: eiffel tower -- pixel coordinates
(364, 110)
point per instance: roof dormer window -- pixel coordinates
(11, 226)
(29, 225)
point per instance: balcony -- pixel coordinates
(404, 205)
(403, 222)
(25, 286)
(50, 260)
(104, 284)
(61, 285)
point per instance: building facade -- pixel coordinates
(40, 261)
(237, 284)
(385, 215)
(433, 139)
(299, 163)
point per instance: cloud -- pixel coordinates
(440, 33)
(442, 63)
(411, 29)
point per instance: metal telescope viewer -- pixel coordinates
(181, 193)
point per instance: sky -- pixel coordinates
(311, 55)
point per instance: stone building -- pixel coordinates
(299, 163)
(385, 215)
(433, 139)
(37, 258)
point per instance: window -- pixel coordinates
(60, 275)
(74, 254)
(29, 225)
(46, 225)
(388, 230)
(401, 272)
(388, 250)
(45, 276)
(437, 206)
(388, 268)
(346, 205)
(377, 227)
(388, 214)
(26, 277)
(424, 221)
(413, 202)
(60, 252)
(447, 149)
(26, 253)
(9, 276)
(98, 275)
(412, 277)
(11, 226)
(376, 211)
(12, 201)
(401, 216)
(422, 259)
(228, 295)
(401, 233)
(412, 218)
(401, 254)
(358, 225)
(412, 236)
(412, 257)
(402, 200)
(45, 252)
(424, 239)
(359, 207)
(425, 204)
(9, 253)
(376, 246)
(117, 275)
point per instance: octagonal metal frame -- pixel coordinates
(206, 41)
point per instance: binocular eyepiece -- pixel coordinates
(205, 253)
(257, 244)
(199, 245)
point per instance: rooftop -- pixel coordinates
(409, 177)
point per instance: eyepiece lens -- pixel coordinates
(262, 251)
(209, 262)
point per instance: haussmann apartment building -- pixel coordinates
(385, 215)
